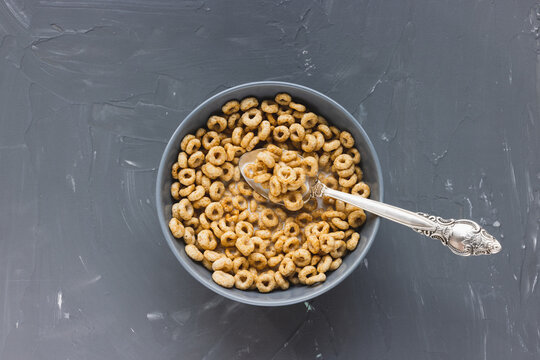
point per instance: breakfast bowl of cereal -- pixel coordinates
(277, 247)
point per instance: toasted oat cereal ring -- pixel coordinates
(269, 106)
(182, 160)
(285, 119)
(265, 282)
(361, 189)
(301, 257)
(257, 260)
(299, 181)
(265, 129)
(244, 143)
(343, 162)
(233, 253)
(243, 279)
(252, 118)
(303, 219)
(200, 133)
(196, 159)
(310, 166)
(175, 190)
(244, 189)
(331, 145)
(346, 173)
(285, 110)
(281, 133)
(327, 243)
(223, 263)
(245, 245)
(309, 143)
(216, 123)
(309, 120)
(193, 146)
(281, 281)
(216, 229)
(297, 107)
(185, 209)
(336, 153)
(237, 135)
(266, 158)
(264, 234)
(269, 218)
(316, 279)
(189, 235)
(346, 139)
(357, 218)
(331, 182)
(291, 228)
(262, 178)
(230, 107)
(324, 264)
(291, 244)
(194, 253)
(212, 171)
(185, 141)
(329, 214)
(297, 132)
(306, 273)
(355, 155)
(214, 211)
(206, 240)
(240, 202)
(340, 248)
(216, 191)
(210, 139)
(203, 222)
(348, 181)
(275, 260)
(313, 244)
(202, 202)
(285, 175)
(197, 194)
(315, 260)
(223, 279)
(232, 121)
(340, 224)
(293, 201)
(274, 186)
(207, 264)
(243, 228)
(216, 155)
(175, 210)
(248, 103)
(298, 114)
(174, 170)
(176, 227)
(240, 263)
(352, 243)
(283, 99)
(212, 255)
(338, 235)
(336, 263)
(288, 156)
(325, 130)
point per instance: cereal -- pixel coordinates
(245, 240)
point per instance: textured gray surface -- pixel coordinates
(91, 91)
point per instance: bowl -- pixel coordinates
(320, 104)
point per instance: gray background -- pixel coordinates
(90, 92)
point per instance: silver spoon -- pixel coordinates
(463, 237)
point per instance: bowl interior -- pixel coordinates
(320, 104)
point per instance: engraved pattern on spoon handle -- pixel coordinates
(463, 237)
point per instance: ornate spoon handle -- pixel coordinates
(463, 237)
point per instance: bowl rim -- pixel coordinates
(170, 240)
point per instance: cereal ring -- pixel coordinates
(281, 281)
(233, 253)
(331, 145)
(212, 255)
(355, 155)
(214, 211)
(248, 103)
(348, 182)
(291, 228)
(216, 155)
(269, 106)
(223, 263)
(265, 282)
(283, 99)
(263, 234)
(212, 171)
(182, 160)
(346, 173)
(216, 229)
(269, 218)
(329, 214)
(275, 260)
(197, 193)
(281, 133)
(233, 120)
(285, 174)
(210, 139)
(243, 228)
(266, 158)
(257, 260)
(243, 279)
(297, 132)
(262, 178)
(315, 260)
(252, 118)
(244, 143)
(244, 189)
(352, 243)
(194, 253)
(343, 162)
(285, 119)
(196, 159)
(340, 249)
(315, 279)
(206, 240)
(327, 243)
(216, 123)
(340, 224)
(297, 107)
(309, 120)
(207, 264)
(202, 202)
(240, 263)
(245, 245)
(325, 130)
(359, 173)
(291, 244)
(336, 264)
(301, 257)
(175, 188)
(357, 218)
(230, 107)
(185, 209)
(265, 129)
(310, 166)
(200, 133)
(223, 279)
(176, 227)
(361, 189)
(193, 146)
(174, 170)
(293, 201)
(203, 222)
(287, 267)
(336, 153)
(346, 139)
(313, 244)
(185, 141)
(237, 135)
(285, 110)
(324, 264)
(306, 273)
(309, 143)
(216, 191)
(298, 114)
(303, 219)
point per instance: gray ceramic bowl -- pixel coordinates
(320, 104)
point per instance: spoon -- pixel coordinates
(463, 237)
